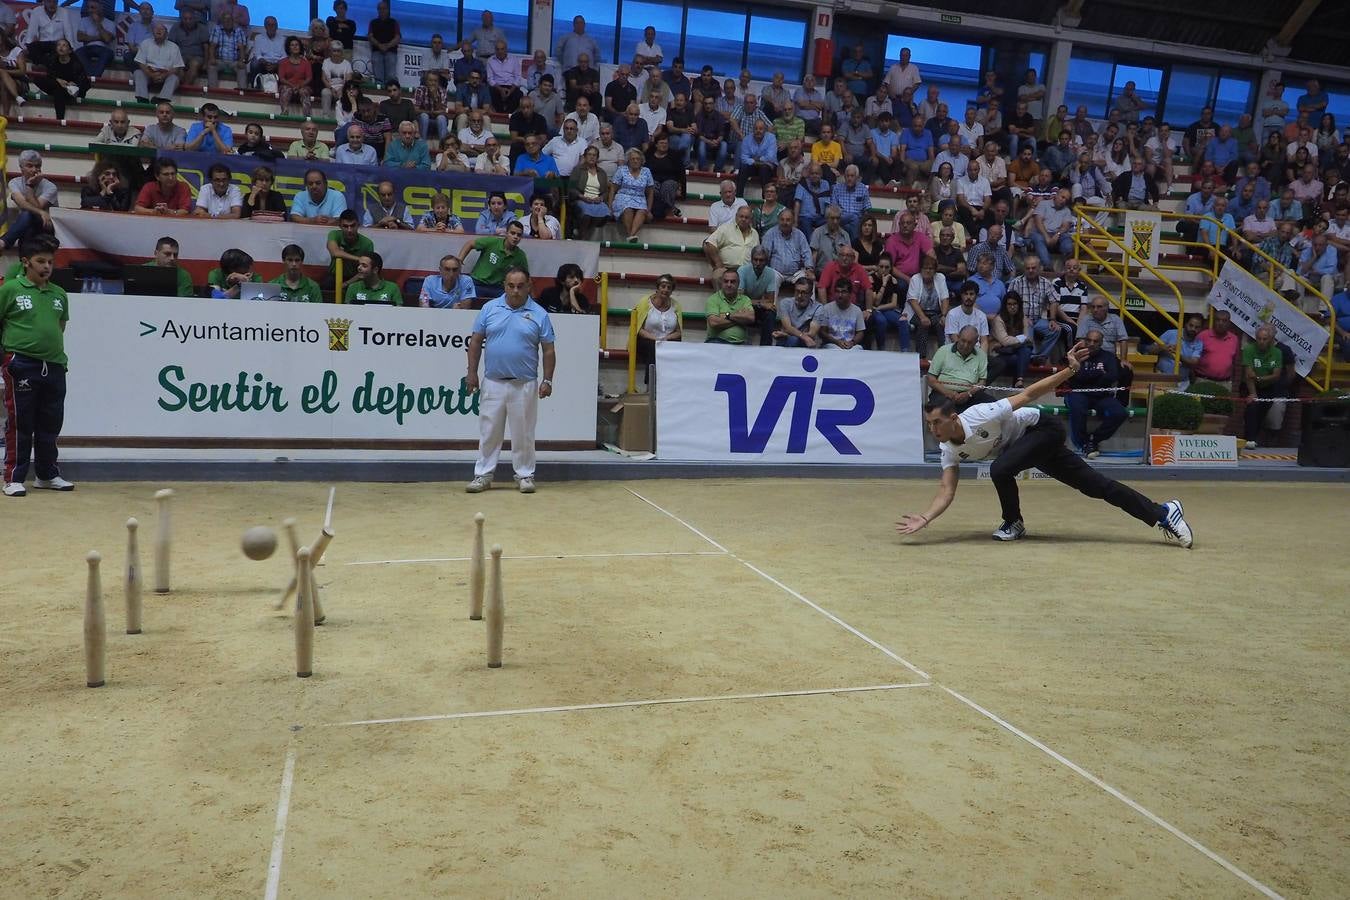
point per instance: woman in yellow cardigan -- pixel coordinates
(656, 318)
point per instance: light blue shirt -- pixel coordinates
(334, 203)
(488, 225)
(572, 45)
(1210, 232)
(991, 294)
(1193, 349)
(434, 294)
(349, 157)
(1324, 264)
(885, 142)
(209, 144)
(395, 155)
(788, 255)
(765, 151)
(1196, 205)
(513, 338)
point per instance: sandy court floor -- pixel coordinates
(880, 753)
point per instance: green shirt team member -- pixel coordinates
(1262, 373)
(729, 311)
(166, 257)
(370, 288)
(496, 256)
(296, 286)
(347, 244)
(33, 316)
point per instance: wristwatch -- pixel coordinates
(547, 381)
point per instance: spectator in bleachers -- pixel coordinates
(1038, 299)
(164, 134)
(337, 73)
(1200, 203)
(940, 123)
(1057, 123)
(1135, 189)
(486, 36)
(294, 77)
(760, 282)
(503, 79)
(495, 218)
(356, 152)
(993, 242)
(743, 118)
(632, 192)
(1314, 102)
(827, 153)
(669, 176)
(540, 223)
(389, 211)
(879, 102)
(409, 151)
(729, 246)
(318, 50)
(1101, 369)
(917, 152)
(1318, 265)
(952, 157)
(989, 288)
(1099, 317)
(318, 203)
(927, 297)
(566, 148)
(943, 184)
(1060, 157)
(960, 369)
(845, 266)
(96, 37)
(440, 219)
(227, 50)
(609, 152)
(1198, 134)
(809, 102)
(710, 131)
(267, 50)
(1191, 349)
(903, 74)
(220, 197)
(654, 116)
(467, 63)
(384, 34)
(840, 323)
(587, 190)
(1050, 227)
(1089, 183)
(795, 315)
(852, 198)
(630, 131)
(788, 126)
(429, 103)
(728, 311)
(680, 126)
(1220, 346)
(1010, 339)
(853, 133)
(119, 130)
(1262, 373)
(947, 219)
(437, 62)
(339, 27)
(235, 271)
(656, 318)
(47, 24)
(828, 239)
(619, 93)
(908, 245)
(654, 87)
(869, 245)
(857, 72)
(992, 120)
(396, 107)
(104, 189)
(789, 251)
(308, 146)
(775, 96)
(141, 27)
(792, 168)
(262, 202)
(166, 257)
(210, 135)
(1326, 137)
(472, 97)
(890, 303)
(257, 145)
(159, 66)
(705, 85)
(583, 80)
(190, 36)
(370, 288)
(571, 47)
(347, 244)
(449, 288)
(165, 194)
(1212, 236)
(951, 260)
(1243, 203)
(723, 209)
(1020, 127)
(811, 199)
(474, 134)
(588, 124)
(296, 286)
(973, 194)
(839, 104)
(534, 163)
(648, 52)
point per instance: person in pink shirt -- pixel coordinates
(1221, 345)
(908, 246)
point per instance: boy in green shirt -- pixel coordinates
(33, 316)
(496, 256)
(729, 311)
(296, 286)
(236, 269)
(1262, 369)
(348, 244)
(370, 288)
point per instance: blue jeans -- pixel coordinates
(789, 341)
(424, 125)
(884, 320)
(1107, 406)
(384, 65)
(1046, 339)
(681, 144)
(26, 224)
(1064, 246)
(704, 153)
(95, 58)
(1018, 357)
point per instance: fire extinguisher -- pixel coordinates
(824, 62)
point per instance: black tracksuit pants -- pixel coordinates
(1042, 447)
(35, 408)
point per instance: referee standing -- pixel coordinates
(33, 316)
(514, 329)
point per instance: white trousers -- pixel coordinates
(503, 406)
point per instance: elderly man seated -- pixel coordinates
(795, 315)
(1101, 369)
(729, 246)
(759, 281)
(960, 370)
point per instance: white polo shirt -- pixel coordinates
(216, 205)
(990, 428)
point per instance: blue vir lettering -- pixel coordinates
(746, 438)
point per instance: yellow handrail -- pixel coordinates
(1128, 257)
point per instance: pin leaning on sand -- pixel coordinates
(95, 626)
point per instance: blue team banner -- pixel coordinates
(468, 192)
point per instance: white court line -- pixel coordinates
(441, 559)
(774, 581)
(279, 832)
(1114, 792)
(626, 704)
(1058, 757)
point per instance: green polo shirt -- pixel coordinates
(31, 318)
(387, 294)
(718, 305)
(955, 371)
(215, 278)
(494, 260)
(1264, 363)
(185, 286)
(785, 130)
(362, 246)
(306, 292)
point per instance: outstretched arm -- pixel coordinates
(911, 522)
(1031, 392)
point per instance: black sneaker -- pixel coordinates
(1010, 531)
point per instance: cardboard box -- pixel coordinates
(635, 428)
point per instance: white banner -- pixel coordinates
(133, 238)
(224, 372)
(771, 404)
(1253, 304)
(1202, 450)
(1143, 233)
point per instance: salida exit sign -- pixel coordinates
(949, 19)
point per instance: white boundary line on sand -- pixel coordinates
(774, 581)
(279, 831)
(628, 704)
(1002, 723)
(443, 559)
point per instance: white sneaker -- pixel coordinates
(53, 484)
(15, 489)
(1249, 445)
(1174, 526)
(527, 485)
(479, 484)
(1010, 531)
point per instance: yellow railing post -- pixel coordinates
(337, 280)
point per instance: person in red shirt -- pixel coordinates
(1221, 345)
(907, 246)
(845, 265)
(166, 195)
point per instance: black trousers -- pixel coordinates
(1042, 447)
(35, 408)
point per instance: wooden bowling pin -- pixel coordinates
(162, 499)
(132, 585)
(95, 625)
(495, 611)
(477, 566)
(304, 618)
